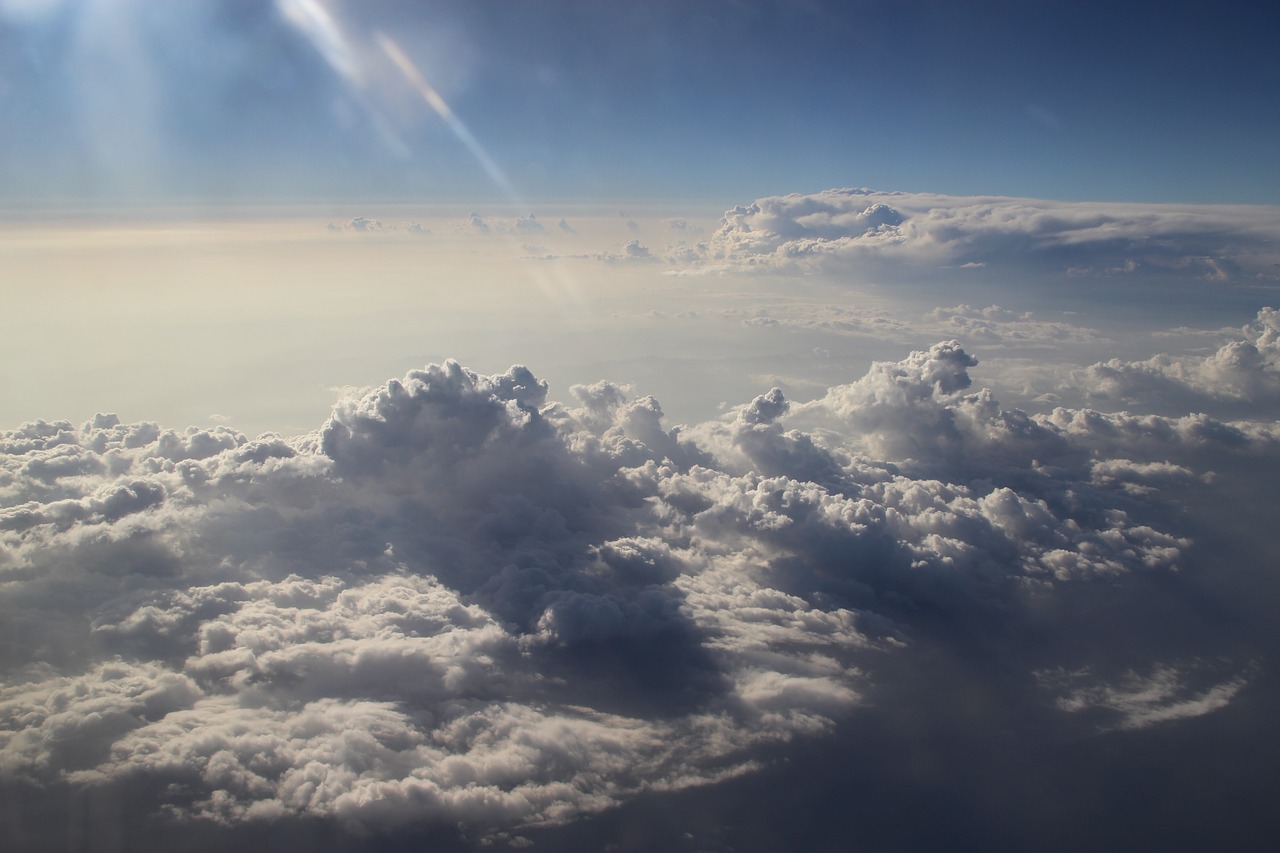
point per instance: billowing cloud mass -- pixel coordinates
(841, 227)
(461, 603)
(1242, 371)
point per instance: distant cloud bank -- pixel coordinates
(840, 227)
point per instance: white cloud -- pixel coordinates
(460, 602)
(631, 252)
(1135, 701)
(842, 227)
(1245, 370)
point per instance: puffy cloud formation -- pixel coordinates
(529, 225)
(460, 603)
(369, 225)
(474, 223)
(1245, 370)
(360, 224)
(858, 226)
(630, 252)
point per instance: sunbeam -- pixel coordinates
(450, 118)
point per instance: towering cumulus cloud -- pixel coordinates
(461, 604)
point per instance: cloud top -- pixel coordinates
(461, 602)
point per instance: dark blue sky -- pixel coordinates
(714, 100)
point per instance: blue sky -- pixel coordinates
(721, 100)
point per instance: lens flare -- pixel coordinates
(447, 115)
(314, 21)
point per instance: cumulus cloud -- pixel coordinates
(369, 225)
(360, 225)
(476, 222)
(839, 227)
(520, 225)
(529, 225)
(1244, 370)
(462, 603)
(630, 252)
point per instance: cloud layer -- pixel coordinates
(840, 228)
(461, 603)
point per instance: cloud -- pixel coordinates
(476, 222)
(521, 225)
(631, 252)
(360, 224)
(368, 225)
(462, 603)
(994, 325)
(1242, 371)
(842, 227)
(1137, 701)
(529, 225)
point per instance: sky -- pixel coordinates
(205, 100)
(713, 426)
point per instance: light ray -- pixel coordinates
(315, 22)
(437, 103)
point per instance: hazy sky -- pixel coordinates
(705, 426)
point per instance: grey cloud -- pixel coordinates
(529, 225)
(1136, 701)
(460, 603)
(477, 223)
